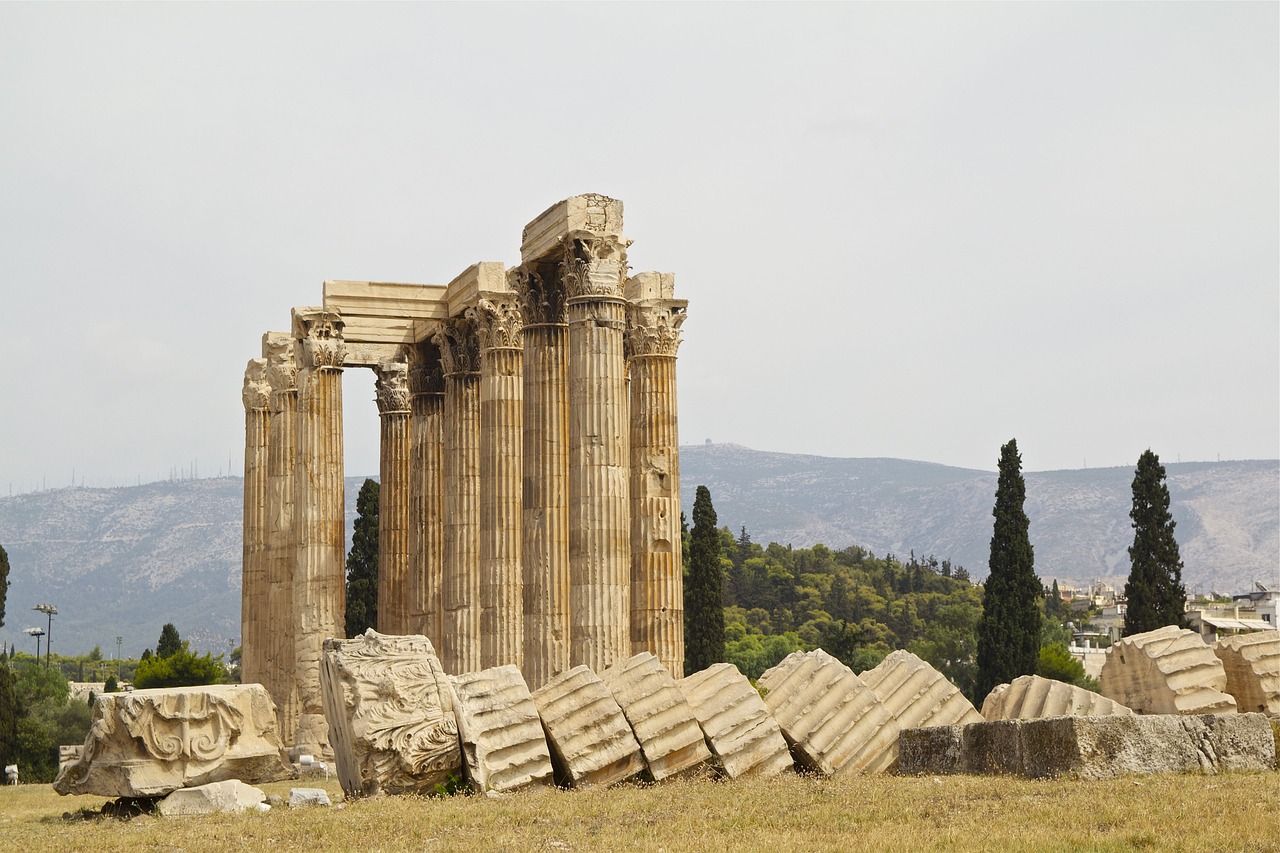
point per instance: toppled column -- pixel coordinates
(426, 494)
(498, 324)
(319, 590)
(392, 388)
(833, 720)
(460, 580)
(282, 530)
(591, 742)
(657, 594)
(917, 695)
(1252, 666)
(743, 736)
(1031, 697)
(659, 715)
(503, 745)
(147, 743)
(1166, 671)
(390, 712)
(254, 595)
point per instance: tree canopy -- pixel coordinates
(362, 563)
(170, 643)
(1155, 594)
(703, 608)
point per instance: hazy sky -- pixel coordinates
(904, 230)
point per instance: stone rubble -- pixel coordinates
(664, 724)
(590, 739)
(229, 797)
(743, 736)
(1031, 697)
(1166, 671)
(1252, 665)
(503, 745)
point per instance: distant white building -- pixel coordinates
(1251, 611)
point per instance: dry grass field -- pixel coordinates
(1197, 814)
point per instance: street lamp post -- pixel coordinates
(50, 611)
(37, 633)
(119, 639)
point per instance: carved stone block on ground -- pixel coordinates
(1252, 665)
(1031, 697)
(834, 722)
(503, 744)
(664, 724)
(743, 736)
(1166, 671)
(590, 739)
(1093, 747)
(229, 797)
(389, 707)
(918, 695)
(146, 743)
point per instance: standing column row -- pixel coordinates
(392, 391)
(253, 590)
(282, 543)
(426, 493)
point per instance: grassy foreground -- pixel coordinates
(1233, 812)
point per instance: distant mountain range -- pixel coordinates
(124, 561)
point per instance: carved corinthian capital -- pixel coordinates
(392, 387)
(654, 329)
(497, 323)
(282, 369)
(541, 300)
(594, 265)
(459, 347)
(320, 333)
(257, 391)
(426, 375)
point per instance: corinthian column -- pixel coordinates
(282, 536)
(393, 498)
(498, 324)
(599, 462)
(426, 493)
(460, 580)
(657, 593)
(319, 591)
(253, 577)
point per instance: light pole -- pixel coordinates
(119, 639)
(50, 611)
(37, 633)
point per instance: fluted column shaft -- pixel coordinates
(393, 498)
(319, 582)
(426, 495)
(253, 577)
(282, 537)
(460, 580)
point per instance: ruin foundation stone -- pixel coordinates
(389, 708)
(1093, 747)
(1166, 671)
(229, 797)
(659, 715)
(743, 736)
(1031, 697)
(503, 744)
(1252, 664)
(590, 739)
(147, 743)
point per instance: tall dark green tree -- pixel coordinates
(703, 608)
(8, 718)
(1009, 630)
(170, 643)
(1156, 596)
(362, 563)
(4, 582)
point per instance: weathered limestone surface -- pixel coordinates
(254, 595)
(390, 711)
(426, 494)
(282, 546)
(657, 594)
(1252, 665)
(659, 715)
(1166, 671)
(918, 695)
(229, 797)
(393, 497)
(590, 739)
(1093, 747)
(319, 588)
(146, 743)
(1031, 697)
(743, 736)
(503, 744)
(833, 720)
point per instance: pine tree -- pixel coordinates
(1009, 630)
(362, 563)
(170, 643)
(4, 582)
(1156, 596)
(703, 609)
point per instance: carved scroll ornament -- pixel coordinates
(392, 387)
(654, 330)
(594, 266)
(498, 324)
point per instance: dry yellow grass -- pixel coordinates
(1198, 814)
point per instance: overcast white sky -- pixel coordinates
(904, 230)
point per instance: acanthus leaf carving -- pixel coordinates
(594, 265)
(320, 333)
(499, 324)
(654, 329)
(459, 346)
(190, 726)
(392, 387)
(541, 299)
(256, 393)
(426, 373)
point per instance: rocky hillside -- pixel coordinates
(122, 562)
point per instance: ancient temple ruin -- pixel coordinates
(530, 505)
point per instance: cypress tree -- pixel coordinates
(703, 609)
(4, 582)
(8, 719)
(1009, 630)
(1156, 596)
(362, 563)
(170, 643)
